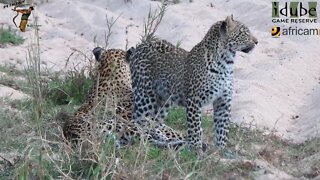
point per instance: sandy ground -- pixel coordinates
(277, 86)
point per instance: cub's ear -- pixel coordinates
(129, 53)
(231, 24)
(223, 28)
(97, 52)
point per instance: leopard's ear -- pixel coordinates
(129, 53)
(97, 52)
(230, 23)
(223, 28)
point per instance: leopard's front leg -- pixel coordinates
(194, 134)
(221, 119)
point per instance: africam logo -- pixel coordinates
(275, 32)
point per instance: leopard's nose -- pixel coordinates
(254, 39)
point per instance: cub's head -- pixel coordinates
(112, 64)
(238, 35)
(111, 55)
(110, 59)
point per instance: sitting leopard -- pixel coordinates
(112, 89)
(163, 75)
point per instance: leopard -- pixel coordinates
(112, 89)
(163, 75)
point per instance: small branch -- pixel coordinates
(7, 160)
(152, 23)
(127, 32)
(74, 50)
(108, 33)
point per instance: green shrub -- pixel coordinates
(72, 88)
(9, 36)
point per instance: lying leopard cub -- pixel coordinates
(112, 89)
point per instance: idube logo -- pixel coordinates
(294, 12)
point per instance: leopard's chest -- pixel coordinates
(217, 83)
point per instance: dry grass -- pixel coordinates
(152, 22)
(31, 155)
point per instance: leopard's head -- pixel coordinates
(111, 61)
(238, 35)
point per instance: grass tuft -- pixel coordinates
(10, 36)
(70, 88)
